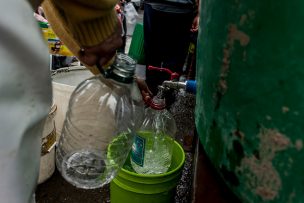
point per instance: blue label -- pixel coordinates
(138, 150)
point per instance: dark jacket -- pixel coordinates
(174, 6)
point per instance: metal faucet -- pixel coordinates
(188, 85)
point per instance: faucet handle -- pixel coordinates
(173, 75)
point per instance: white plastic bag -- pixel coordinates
(131, 13)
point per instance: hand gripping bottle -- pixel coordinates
(99, 127)
(152, 147)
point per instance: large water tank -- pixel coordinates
(250, 96)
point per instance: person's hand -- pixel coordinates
(144, 89)
(101, 53)
(40, 18)
(118, 9)
(195, 24)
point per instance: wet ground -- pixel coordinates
(184, 187)
(57, 190)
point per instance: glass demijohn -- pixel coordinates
(98, 130)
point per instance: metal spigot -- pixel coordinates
(188, 85)
(174, 85)
(173, 75)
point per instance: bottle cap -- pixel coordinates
(158, 102)
(123, 68)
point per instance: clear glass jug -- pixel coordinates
(99, 126)
(153, 144)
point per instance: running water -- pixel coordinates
(182, 111)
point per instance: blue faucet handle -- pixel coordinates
(191, 86)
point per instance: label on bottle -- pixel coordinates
(138, 150)
(48, 142)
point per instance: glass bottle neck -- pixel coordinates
(122, 70)
(116, 76)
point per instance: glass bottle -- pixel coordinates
(98, 130)
(153, 144)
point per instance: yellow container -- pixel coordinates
(55, 46)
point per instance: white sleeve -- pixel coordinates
(25, 99)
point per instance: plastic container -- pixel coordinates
(100, 117)
(64, 82)
(136, 49)
(131, 17)
(129, 186)
(47, 160)
(153, 144)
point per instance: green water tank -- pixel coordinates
(250, 96)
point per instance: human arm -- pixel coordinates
(90, 26)
(144, 89)
(195, 23)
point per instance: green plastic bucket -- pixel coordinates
(129, 186)
(136, 50)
